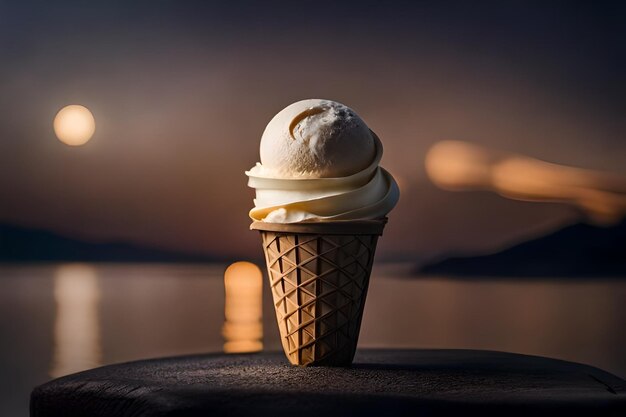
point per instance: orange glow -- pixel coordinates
(243, 308)
(455, 165)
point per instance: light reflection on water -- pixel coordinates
(71, 317)
(76, 325)
(243, 308)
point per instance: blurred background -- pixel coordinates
(503, 123)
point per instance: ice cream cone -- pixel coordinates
(319, 275)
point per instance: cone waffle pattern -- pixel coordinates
(319, 284)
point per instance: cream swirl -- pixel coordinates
(367, 194)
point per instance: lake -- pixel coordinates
(57, 319)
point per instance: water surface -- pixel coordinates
(58, 319)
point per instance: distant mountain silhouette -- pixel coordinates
(18, 244)
(581, 250)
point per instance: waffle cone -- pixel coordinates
(319, 275)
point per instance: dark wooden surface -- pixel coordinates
(380, 383)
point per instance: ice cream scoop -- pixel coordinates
(319, 162)
(316, 139)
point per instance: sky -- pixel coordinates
(181, 93)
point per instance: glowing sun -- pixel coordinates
(74, 125)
